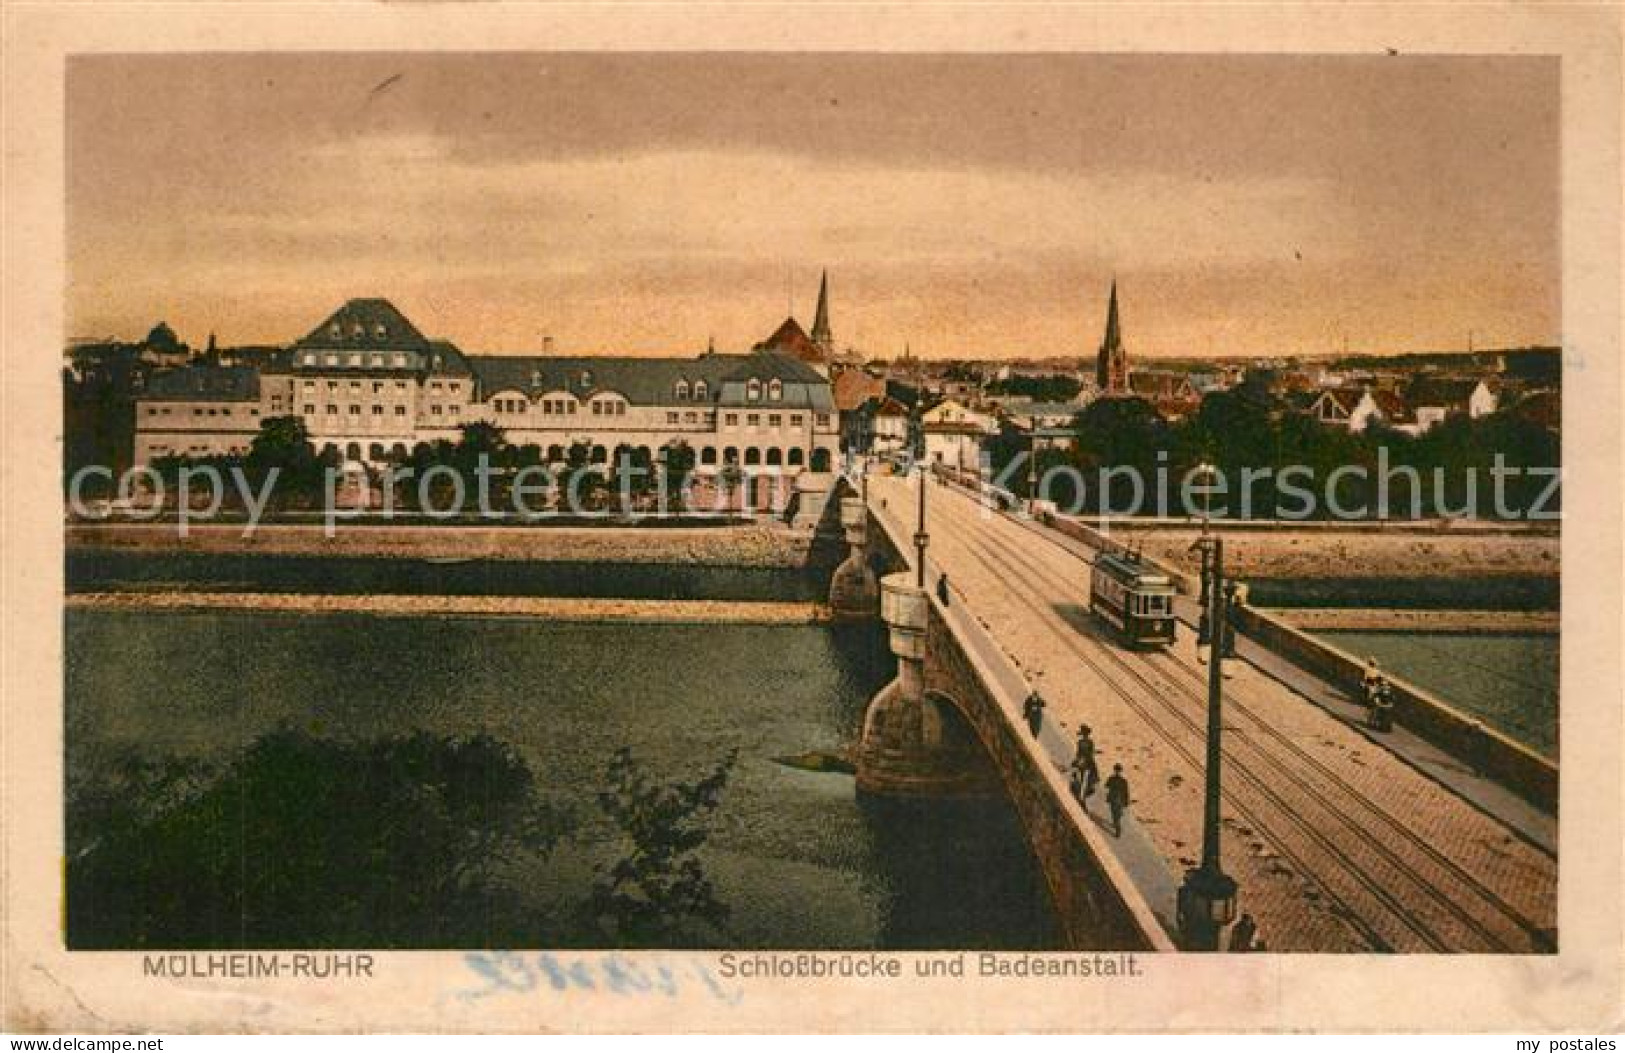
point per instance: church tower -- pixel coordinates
(1111, 367)
(821, 335)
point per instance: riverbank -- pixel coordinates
(748, 545)
(1321, 619)
(549, 608)
(1368, 554)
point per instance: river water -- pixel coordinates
(798, 859)
(1508, 680)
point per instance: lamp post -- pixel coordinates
(921, 538)
(1032, 468)
(1204, 546)
(1207, 899)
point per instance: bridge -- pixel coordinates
(1341, 840)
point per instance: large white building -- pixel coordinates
(370, 386)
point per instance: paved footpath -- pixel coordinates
(1338, 842)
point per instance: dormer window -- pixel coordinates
(682, 389)
(310, 358)
(775, 390)
(358, 330)
(753, 390)
(399, 359)
(379, 332)
(699, 389)
(586, 378)
(335, 331)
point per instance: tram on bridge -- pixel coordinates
(1134, 599)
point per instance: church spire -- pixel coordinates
(820, 331)
(1111, 368)
(1114, 339)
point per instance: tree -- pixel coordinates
(679, 466)
(283, 444)
(658, 893)
(306, 842)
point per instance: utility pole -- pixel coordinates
(921, 539)
(1207, 899)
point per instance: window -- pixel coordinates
(378, 411)
(699, 389)
(152, 411)
(753, 419)
(774, 420)
(355, 411)
(597, 409)
(400, 411)
(775, 390)
(823, 420)
(795, 420)
(332, 385)
(398, 359)
(355, 360)
(691, 417)
(332, 410)
(672, 417)
(731, 420)
(435, 410)
(753, 389)
(331, 360)
(376, 360)
(379, 332)
(310, 409)
(377, 386)
(310, 385)
(434, 385)
(310, 359)
(400, 385)
(682, 389)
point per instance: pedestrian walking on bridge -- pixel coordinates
(1117, 798)
(1085, 769)
(1033, 710)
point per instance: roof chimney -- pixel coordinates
(547, 345)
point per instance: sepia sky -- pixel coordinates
(967, 205)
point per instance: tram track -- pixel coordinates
(1312, 814)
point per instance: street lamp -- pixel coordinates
(1032, 467)
(921, 538)
(1207, 899)
(1204, 545)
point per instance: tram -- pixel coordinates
(1133, 599)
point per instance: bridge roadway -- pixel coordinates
(1337, 844)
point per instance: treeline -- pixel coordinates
(1129, 460)
(445, 474)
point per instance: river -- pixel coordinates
(796, 857)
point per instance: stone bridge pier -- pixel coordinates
(915, 741)
(854, 591)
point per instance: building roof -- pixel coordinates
(204, 384)
(1346, 398)
(890, 407)
(653, 381)
(790, 339)
(1440, 391)
(854, 387)
(1395, 410)
(365, 325)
